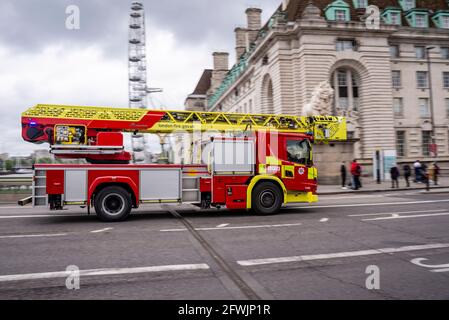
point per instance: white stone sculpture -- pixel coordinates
(321, 101)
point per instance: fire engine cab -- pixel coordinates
(254, 162)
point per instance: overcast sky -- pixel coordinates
(41, 61)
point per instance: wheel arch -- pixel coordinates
(264, 178)
(126, 184)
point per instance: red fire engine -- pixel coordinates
(266, 161)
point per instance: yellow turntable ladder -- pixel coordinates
(323, 128)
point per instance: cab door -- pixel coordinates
(297, 171)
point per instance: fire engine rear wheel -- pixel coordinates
(266, 198)
(113, 204)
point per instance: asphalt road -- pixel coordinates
(321, 251)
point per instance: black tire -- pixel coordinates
(113, 204)
(266, 199)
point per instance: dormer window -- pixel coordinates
(418, 18)
(392, 16)
(360, 4)
(421, 21)
(340, 15)
(441, 19)
(445, 22)
(407, 4)
(337, 11)
(395, 18)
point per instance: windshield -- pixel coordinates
(298, 151)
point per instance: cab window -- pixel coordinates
(298, 151)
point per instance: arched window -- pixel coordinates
(267, 95)
(346, 83)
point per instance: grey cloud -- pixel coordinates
(32, 24)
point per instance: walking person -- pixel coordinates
(431, 173)
(407, 173)
(417, 166)
(436, 172)
(394, 172)
(356, 171)
(359, 170)
(424, 173)
(426, 176)
(343, 173)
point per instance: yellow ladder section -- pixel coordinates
(324, 128)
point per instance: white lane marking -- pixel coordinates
(255, 262)
(103, 272)
(388, 213)
(18, 207)
(367, 204)
(418, 262)
(324, 220)
(236, 227)
(351, 197)
(42, 216)
(34, 235)
(222, 225)
(101, 230)
(436, 267)
(395, 216)
(440, 270)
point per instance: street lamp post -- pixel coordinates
(432, 117)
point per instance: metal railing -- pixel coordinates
(16, 180)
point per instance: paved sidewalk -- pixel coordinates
(371, 186)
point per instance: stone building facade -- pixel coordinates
(380, 75)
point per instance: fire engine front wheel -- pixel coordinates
(113, 204)
(266, 198)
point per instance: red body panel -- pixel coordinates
(300, 181)
(220, 183)
(55, 181)
(236, 196)
(205, 184)
(110, 139)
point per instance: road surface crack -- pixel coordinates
(219, 260)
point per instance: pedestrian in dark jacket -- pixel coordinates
(343, 175)
(394, 172)
(417, 166)
(407, 173)
(424, 174)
